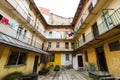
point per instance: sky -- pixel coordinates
(64, 8)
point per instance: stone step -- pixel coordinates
(107, 78)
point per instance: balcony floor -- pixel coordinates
(65, 74)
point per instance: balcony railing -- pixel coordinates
(22, 10)
(60, 49)
(6, 29)
(84, 16)
(107, 24)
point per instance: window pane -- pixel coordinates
(66, 45)
(57, 45)
(67, 57)
(13, 58)
(49, 44)
(83, 36)
(72, 45)
(114, 46)
(22, 58)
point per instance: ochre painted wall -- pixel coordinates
(25, 69)
(112, 58)
(113, 61)
(92, 56)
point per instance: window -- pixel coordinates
(24, 34)
(19, 32)
(66, 33)
(49, 44)
(17, 58)
(86, 56)
(83, 36)
(28, 18)
(50, 33)
(72, 45)
(66, 45)
(67, 57)
(90, 8)
(95, 30)
(114, 45)
(52, 57)
(57, 44)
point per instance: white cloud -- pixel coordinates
(65, 8)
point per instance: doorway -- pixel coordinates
(80, 61)
(95, 30)
(35, 64)
(102, 64)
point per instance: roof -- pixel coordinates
(78, 12)
(44, 10)
(5, 39)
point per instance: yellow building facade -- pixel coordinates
(95, 39)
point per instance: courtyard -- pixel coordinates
(65, 74)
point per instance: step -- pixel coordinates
(107, 78)
(100, 73)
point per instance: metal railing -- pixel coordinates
(112, 21)
(22, 10)
(61, 49)
(8, 30)
(84, 17)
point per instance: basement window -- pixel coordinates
(17, 58)
(114, 45)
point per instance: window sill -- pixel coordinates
(10, 66)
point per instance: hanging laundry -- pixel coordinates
(70, 34)
(1, 16)
(4, 20)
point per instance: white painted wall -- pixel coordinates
(75, 61)
(63, 60)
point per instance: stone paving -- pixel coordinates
(64, 74)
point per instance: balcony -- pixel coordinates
(8, 40)
(88, 15)
(7, 30)
(19, 10)
(58, 35)
(61, 49)
(109, 27)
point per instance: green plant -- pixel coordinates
(13, 76)
(57, 68)
(92, 67)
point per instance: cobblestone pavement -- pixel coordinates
(63, 74)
